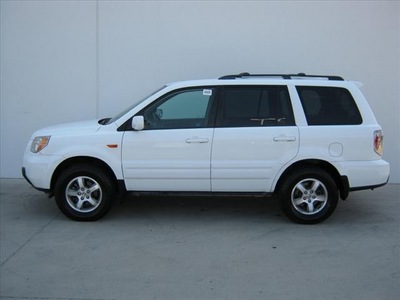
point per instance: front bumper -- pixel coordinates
(38, 169)
(30, 182)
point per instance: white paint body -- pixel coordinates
(247, 159)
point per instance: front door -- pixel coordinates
(173, 151)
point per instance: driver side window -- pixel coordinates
(182, 109)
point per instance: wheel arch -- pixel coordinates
(119, 184)
(341, 181)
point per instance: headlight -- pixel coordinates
(39, 143)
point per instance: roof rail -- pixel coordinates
(284, 76)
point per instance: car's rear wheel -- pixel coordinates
(84, 193)
(309, 196)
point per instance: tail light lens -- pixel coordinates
(378, 142)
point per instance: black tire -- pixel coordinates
(84, 192)
(309, 196)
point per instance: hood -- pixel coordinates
(70, 128)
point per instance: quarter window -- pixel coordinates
(254, 106)
(329, 106)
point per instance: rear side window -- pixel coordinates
(329, 106)
(254, 106)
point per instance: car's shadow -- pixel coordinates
(185, 207)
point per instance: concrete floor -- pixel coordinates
(199, 248)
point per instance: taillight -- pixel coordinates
(378, 142)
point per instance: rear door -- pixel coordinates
(255, 136)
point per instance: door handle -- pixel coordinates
(284, 138)
(196, 140)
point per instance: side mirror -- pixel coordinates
(138, 122)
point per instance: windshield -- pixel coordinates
(115, 118)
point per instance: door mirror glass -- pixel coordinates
(159, 113)
(138, 122)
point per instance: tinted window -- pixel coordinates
(183, 109)
(255, 106)
(186, 105)
(329, 106)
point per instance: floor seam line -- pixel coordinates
(28, 240)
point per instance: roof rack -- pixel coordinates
(284, 76)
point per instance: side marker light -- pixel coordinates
(112, 146)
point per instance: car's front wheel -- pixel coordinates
(309, 196)
(84, 193)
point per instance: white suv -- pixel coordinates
(307, 138)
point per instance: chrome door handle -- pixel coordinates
(196, 140)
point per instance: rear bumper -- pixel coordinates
(370, 187)
(364, 175)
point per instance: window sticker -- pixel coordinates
(207, 92)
